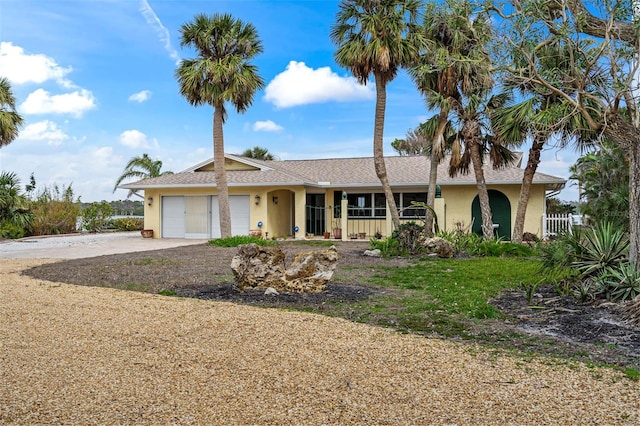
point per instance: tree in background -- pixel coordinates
(378, 38)
(414, 143)
(10, 120)
(140, 168)
(604, 180)
(221, 73)
(96, 216)
(258, 153)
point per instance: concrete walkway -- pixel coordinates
(76, 246)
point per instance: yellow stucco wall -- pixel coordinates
(458, 201)
(279, 219)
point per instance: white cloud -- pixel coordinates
(20, 67)
(141, 96)
(74, 103)
(300, 85)
(162, 32)
(44, 130)
(266, 126)
(136, 139)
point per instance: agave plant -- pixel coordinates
(598, 249)
(621, 282)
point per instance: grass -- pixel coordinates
(458, 286)
(240, 239)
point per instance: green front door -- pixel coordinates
(500, 210)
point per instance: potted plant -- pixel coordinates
(337, 233)
(147, 233)
(327, 235)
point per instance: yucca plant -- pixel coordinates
(598, 249)
(621, 282)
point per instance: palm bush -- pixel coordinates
(15, 217)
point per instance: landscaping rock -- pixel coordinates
(440, 246)
(255, 266)
(373, 253)
(271, 292)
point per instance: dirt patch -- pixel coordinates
(549, 325)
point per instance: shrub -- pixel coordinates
(55, 211)
(388, 246)
(128, 224)
(95, 216)
(621, 282)
(600, 248)
(12, 231)
(499, 248)
(408, 237)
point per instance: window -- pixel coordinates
(359, 205)
(374, 205)
(380, 204)
(407, 198)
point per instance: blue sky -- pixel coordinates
(94, 80)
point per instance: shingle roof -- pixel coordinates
(343, 173)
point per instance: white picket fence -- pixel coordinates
(554, 224)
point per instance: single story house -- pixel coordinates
(304, 198)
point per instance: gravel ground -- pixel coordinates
(88, 355)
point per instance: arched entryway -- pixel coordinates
(500, 210)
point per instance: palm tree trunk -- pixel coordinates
(472, 132)
(627, 136)
(525, 190)
(221, 174)
(433, 171)
(378, 155)
(634, 206)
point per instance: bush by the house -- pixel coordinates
(127, 224)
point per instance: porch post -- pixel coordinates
(344, 205)
(439, 207)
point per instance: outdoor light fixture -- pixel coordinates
(257, 199)
(149, 201)
(275, 200)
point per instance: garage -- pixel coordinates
(197, 216)
(239, 206)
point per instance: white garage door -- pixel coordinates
(173, 217)
(239, 206)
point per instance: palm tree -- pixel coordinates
(455, 77)
(258, 153)
(378, 37)
(13, 205)
(437, 74)
(539, 117)
(221, 73)
(10, 120)
(141, 168)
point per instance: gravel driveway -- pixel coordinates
(86, 355)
